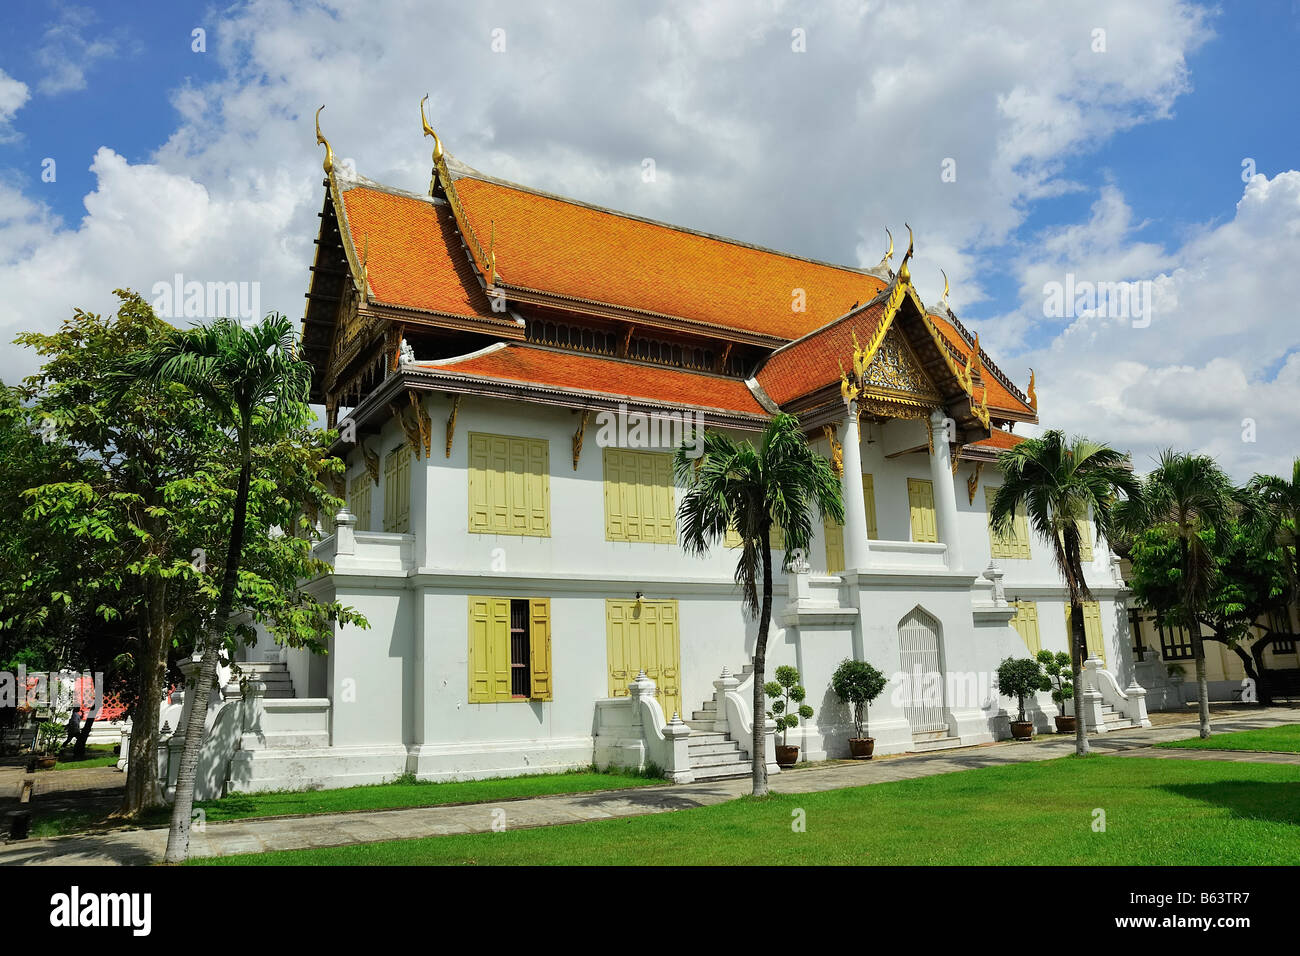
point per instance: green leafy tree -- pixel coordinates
(1058, 482)
(1186, 495)
(1020, 678)
(734, 484)
(788, 696)
(256, 385)
(1273, 509)
(1249, 587)
(1057, 668)
(858, 684)
(108, 504)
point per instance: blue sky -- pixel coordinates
(1123, 165)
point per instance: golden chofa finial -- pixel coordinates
(904, 273)
(1030, 393)
(883, 265)
(428, 131)
(943, 303)
(322, 141)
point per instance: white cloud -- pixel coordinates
(13, 94)
(1221, 350)
(71, 46)
(811, 152)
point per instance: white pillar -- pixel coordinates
(945, 493)
(857, 551)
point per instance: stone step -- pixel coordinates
(716, 760)
(941, 743)
(302, 740)
(704, 716)
(721, 747)
(707, 737)
(931, 735)
(713, 774)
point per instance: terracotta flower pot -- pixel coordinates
(786, 757)
(45, 763)
(1064, 724)
(1022, 729)
(861, 748)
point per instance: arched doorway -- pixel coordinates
(921, 658)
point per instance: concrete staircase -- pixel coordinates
(714, 755)
(1113, 720)
(279, 685)
(933, 740)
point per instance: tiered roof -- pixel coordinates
(443, 261)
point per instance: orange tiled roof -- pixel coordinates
(572, 371)
(414, 258)
(813, 362)
(999, 440)
(553, 245)
(999, 395)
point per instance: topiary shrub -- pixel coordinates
(857, 683)
(1021, 677)
(786, 691)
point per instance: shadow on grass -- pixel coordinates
(1247, 799)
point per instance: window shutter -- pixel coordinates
(509, 485)
(481, 668)
(397, 490)
(1026, 625)
(639, 501)
(1015, 544)
(834, 546)
(869, 495)
(1085, 539)
(500, 637)
(920, 498)
(539, 642)
(359, 499)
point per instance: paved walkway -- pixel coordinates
(338, 829)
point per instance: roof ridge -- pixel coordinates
(465, 171)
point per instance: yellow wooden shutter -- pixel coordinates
(1015, 544)
(1026, 625)
(359, 499)
(489, 649)
(539, 643)
(1085, 539)
(920, 501)
(869, 494)
(639, 500)
(834, 546)
(509, 485)
(538, 497)
(397, 490)
(1092, 629)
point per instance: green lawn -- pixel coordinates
(384, 796)
(97, 755)
(1284, 739)
(1156, 812)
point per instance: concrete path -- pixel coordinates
(338, 829)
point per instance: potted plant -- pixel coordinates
(786, 691)
(48, 735)
(1057, 667)
(1019, 678)
(858, 683)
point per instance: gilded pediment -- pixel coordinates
(895, 373)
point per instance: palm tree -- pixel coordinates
(735, 485)
(1057, 481)
(253, 380)
(1184, 496)
(1273, 506)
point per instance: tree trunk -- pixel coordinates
(1078, 648)
(1202, 685)
(79, 748)
(758, 744)
(142, 789)
(178, 838)
(1264, 693)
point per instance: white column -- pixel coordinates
(856, 549)
(945, 493)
